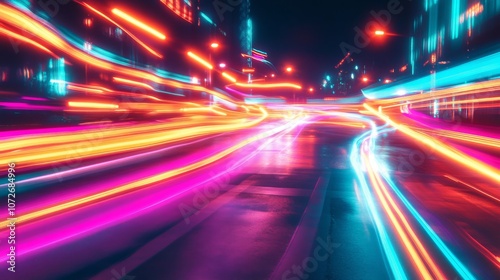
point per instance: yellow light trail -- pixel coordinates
(146, 181)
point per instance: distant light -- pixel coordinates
(222, 65)
(289, 69)
(387, 81)
(365, 79)
(214, 45)
(356, 67)
(311, 89)
(379, 33)
(273, 75)
(352, 76)
(195, 80)
(88, 22)
(328, 78)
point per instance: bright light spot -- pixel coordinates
(401, 92)
(195, 80)
(214, 45)
(386, 81)
(379, 33)
(365, 79)
(87, 46)
(222, 65)
(352, 76)
(289, 69)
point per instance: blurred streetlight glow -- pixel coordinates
(222, 65)
(379, 33)
(289, 69)
(214, 45)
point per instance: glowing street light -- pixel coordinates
(365, 79)
(222, 65)
(214, 45)
(289, 69)
(379, 33)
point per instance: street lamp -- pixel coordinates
(379, 33)
(289, 69)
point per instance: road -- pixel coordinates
(284, 196)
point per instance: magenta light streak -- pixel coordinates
(51, 131)
(34, 98)
(69, 194)
(64, 228)
(26, 106)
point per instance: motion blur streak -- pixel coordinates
(22, 21)
(459, 157)
(92, 105)
(138, 23)
(154, 179)
(278, 85)
(141, 43)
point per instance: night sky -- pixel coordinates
(307, 34)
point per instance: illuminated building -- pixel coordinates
(450, 31)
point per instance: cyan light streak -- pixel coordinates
(454, 261)
(387, 244)
(207, 19)
(481, 68)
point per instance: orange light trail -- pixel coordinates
(142, 183)
(269, 86)
(84, 89)
(21, 20)
(454, 154)
(229, 77)
(133, 83)
(403, 227)
(26, 40)
(138, 23)
(141, 43)
(200, 60)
